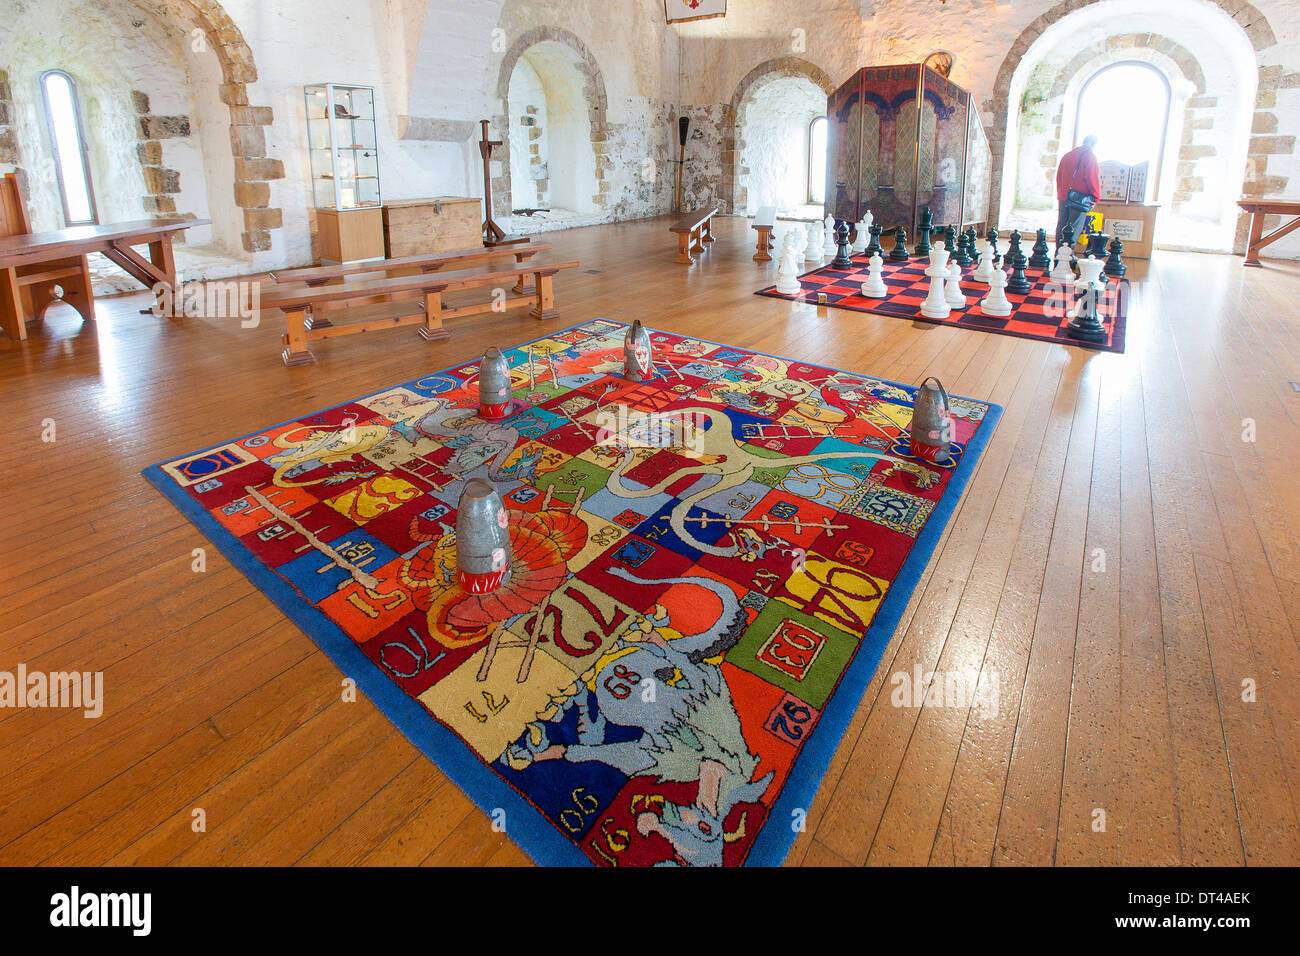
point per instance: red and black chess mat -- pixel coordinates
(1041, 313)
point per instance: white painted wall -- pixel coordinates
(774, 135)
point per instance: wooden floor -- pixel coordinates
(1121, 735)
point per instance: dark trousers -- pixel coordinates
(1071, 216)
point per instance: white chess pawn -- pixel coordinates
(935, 305)
(813, 251)
(874, 287)
(829, 248)
(952, 293)
(1062, 272)
(787, 272)
(984, 270)
(862, 237)
(996, 302)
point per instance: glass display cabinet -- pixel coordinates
(344, 162)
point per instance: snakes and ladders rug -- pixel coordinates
(1041, 313)
(706, 568)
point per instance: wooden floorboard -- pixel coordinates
(1146, 708)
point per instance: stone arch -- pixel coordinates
(597, 107)
(784, 66)
(254, 171)
(1247, 16)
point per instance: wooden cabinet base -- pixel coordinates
(350, 235)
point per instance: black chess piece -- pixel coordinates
(873, 246)
(950, 242)
(1114, 264)
(843, 253)
(1097, 245)
(899, 252)
(965, 255)
(1016, 282)
(1040, 258)
(923, 232)
(992, 237)
(1086, 323)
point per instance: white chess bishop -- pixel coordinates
(996, 302)
(952, 293)
(863, 236)
(787, 272)
(935, 305)
(874, 287)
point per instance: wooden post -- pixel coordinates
(11, 306)
(432, 329)
(545, 307)
(684, 249)
(706, 232)
(295, 339)
(764, 244)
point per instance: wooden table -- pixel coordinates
(114, 240)
(1258, 209)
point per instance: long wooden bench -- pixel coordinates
(408, 265)
(765, 222)
(317, 312)
(692, 234)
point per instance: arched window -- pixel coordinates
(71, 166)
(1126, 106)
(817, 161)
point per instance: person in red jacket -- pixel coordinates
(1077, 186)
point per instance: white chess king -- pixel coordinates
(935, 305)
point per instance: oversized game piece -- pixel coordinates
(1097, 245)
(874, 287)
(482, 539)
(637, 364)
(828, 238)
(1114, 263)
(935, 305)
(931, 431)
(996, 302)
(992, 237)
(984, 271)
(950, 241)
(843, 254)
(1067, 240)
(494, 401)
(860, 234)
(965, 255)
(952, 293)
(899, 252)
(787, 272)
(1086, 323)
(874, 247)
(1017, 283)
(1040, 258)
(813, 250)
(923, 231)
(1062, 272)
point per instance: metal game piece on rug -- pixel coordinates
(931, 423)
(482, 539)
(636, 354)
(494, 395)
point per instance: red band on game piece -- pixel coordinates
(480, 583)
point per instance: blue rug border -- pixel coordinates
(545, 844)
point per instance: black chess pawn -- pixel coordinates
(1016, 282)
(950, 243)
(992, 237)
(1097, 245)
(873, 246)
(923, 232)
(1114, 264)
(899, 252)
(843, 252)
(965, 254)
(1040, 258)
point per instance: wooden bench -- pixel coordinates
(692, 234)
(764, 222)
(407, 265)
(1258, 209)
(368, 304)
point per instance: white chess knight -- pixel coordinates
(813, 251)
(787, 271)
(984, 271)
(863, 235)
(874, 287)
(1062, 272)
(935, 305)
(829, 247)
(996, 302)
(952, 293)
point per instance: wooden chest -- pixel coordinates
(414, 227)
